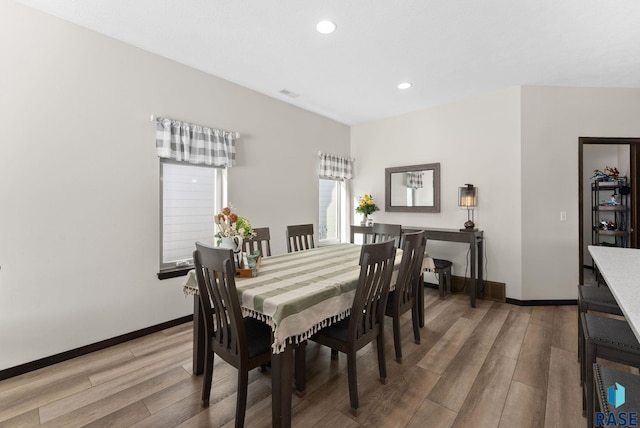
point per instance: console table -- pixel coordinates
(473, 238)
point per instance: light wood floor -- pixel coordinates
(497, 365)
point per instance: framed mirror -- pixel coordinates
(414, 188)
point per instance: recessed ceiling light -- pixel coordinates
(326, 27)
(405, 85)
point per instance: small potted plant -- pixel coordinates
(232, 230)
(366, 207)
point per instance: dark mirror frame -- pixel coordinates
(435, 208)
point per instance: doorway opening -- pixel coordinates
(596, 153)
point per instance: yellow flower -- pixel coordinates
(362, 203)
(369, 202)
(366, 196)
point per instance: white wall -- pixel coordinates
(79, 223)
(520, 148)
(475, 141)
(553, 120)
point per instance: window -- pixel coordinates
(191, 195)
(331, 202)
(410, 196)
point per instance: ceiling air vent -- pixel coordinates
(289, 93)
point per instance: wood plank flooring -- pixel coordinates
(497, 365)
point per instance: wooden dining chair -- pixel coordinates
(385, 232)
(366, 322)
(245, 343)
(300, 237)
(262, 242)
(405, 295)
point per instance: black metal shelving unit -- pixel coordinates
(610, 213)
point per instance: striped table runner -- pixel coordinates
(299, 293)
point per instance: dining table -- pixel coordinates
(296, 294)
(620, 269)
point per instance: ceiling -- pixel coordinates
(448, 49)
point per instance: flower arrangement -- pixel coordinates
(230, 224)
(366, 205)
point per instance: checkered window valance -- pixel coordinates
(414, 179)
(195, 144)
(336, 167)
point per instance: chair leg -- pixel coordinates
(421, 300)
(241, 402)
(580, 341)
(415, 315)
(441, 279)
(397, 338)
(334, 354)
(300, 368)
(352, 373)
(587, 396)
(382, 362)
(208, 376)
(582, 308)
(596, 401)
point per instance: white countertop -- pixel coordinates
(620, 268)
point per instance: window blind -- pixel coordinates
(191, 195)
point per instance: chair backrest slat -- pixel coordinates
(300, 237)
(262, 242)
(376, 267)
(384, 232)
(223, 321)
(408, 276)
